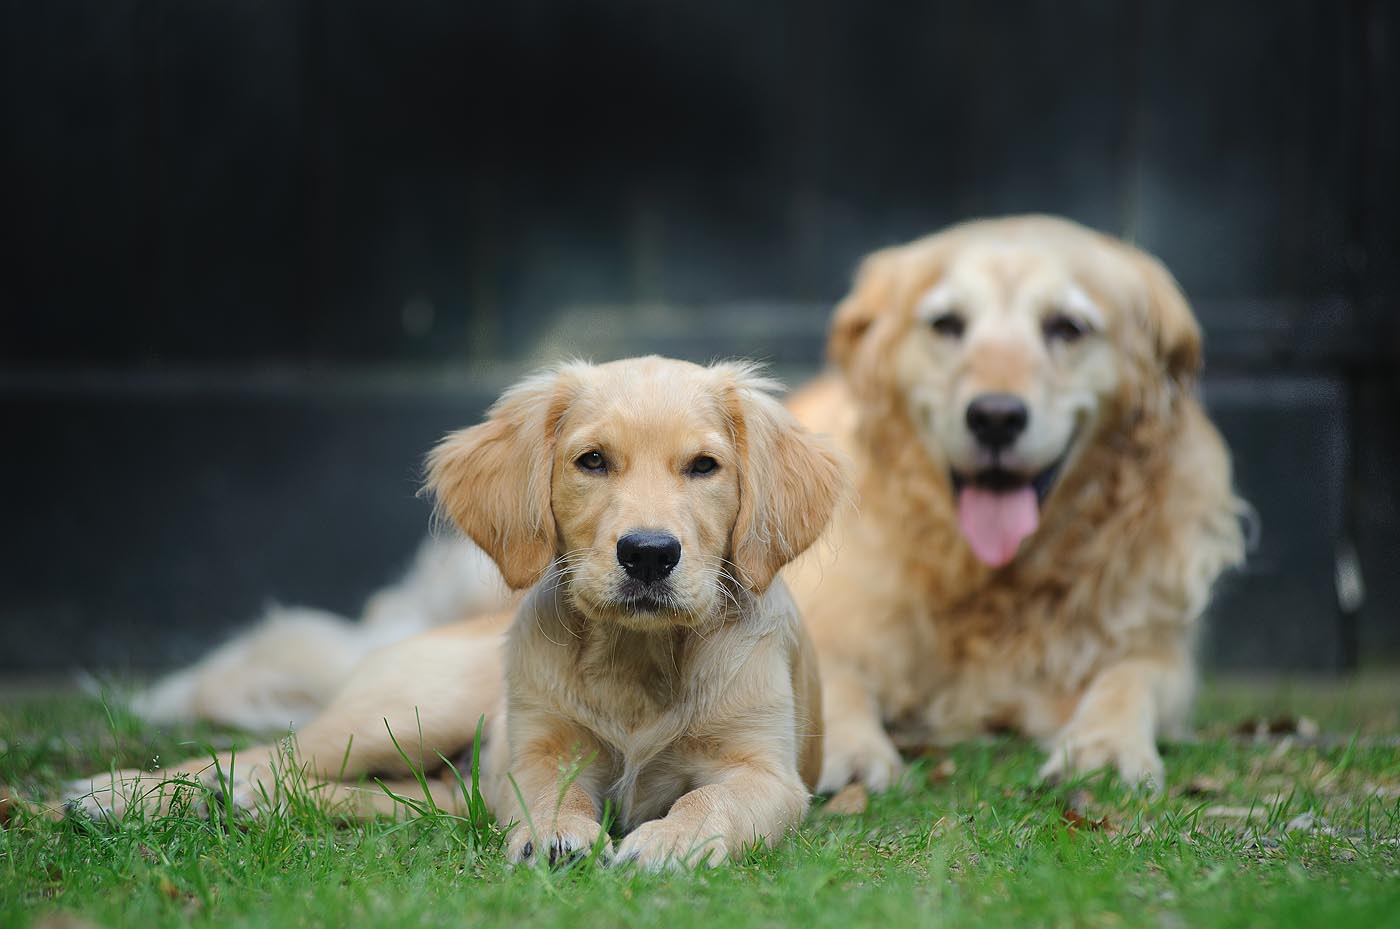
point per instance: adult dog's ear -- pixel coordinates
(1173, 328)
(873, 290)
(790, 481)
(493, 480)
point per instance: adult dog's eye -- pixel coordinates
(949, 325)
(703, 465)
(1064, 328)
(592, 461)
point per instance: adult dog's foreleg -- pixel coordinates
(1119, 717)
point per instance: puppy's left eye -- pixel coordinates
(591, 461)
(1063, 328)
(703, 465)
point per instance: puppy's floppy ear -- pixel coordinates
(1175, 333)
(790, 481)
(493, 479)
(873, 291)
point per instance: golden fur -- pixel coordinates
(695, 717)
(1084, 639)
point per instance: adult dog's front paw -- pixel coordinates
(658, 845)
(865, 756)
(570, 839)
(1084, 750)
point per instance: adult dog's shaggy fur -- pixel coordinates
(656, 663)
(1041, 510)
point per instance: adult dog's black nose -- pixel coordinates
(648, 556)
(997, 419)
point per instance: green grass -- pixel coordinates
(1282, 831)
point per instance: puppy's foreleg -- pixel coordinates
(549, 792)
(743, 805)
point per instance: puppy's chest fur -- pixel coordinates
(640, 694)
(644, 678)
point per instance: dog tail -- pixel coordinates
(284, 669)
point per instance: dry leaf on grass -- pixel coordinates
(850, 800)
(1075, 821)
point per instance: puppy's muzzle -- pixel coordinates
(997, 420)
(648, 556)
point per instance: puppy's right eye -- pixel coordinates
(592, 461)
(949, 325)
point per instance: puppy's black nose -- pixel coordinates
(997, 419)
(648, 556)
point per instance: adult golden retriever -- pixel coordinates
(656, 663)
(1041, 504)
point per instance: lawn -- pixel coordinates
(1285, 812)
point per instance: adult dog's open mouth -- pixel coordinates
(999, 508)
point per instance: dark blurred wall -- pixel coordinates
(259, 254)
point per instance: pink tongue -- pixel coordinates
(995, 523)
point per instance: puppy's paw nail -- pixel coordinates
(563, 853)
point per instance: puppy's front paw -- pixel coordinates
(866, 756)
(570, 839)
(1081, 751)
(659, 845)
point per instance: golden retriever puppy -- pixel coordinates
(656, 664)
(1041, 509)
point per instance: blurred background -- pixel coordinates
(260, 254)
